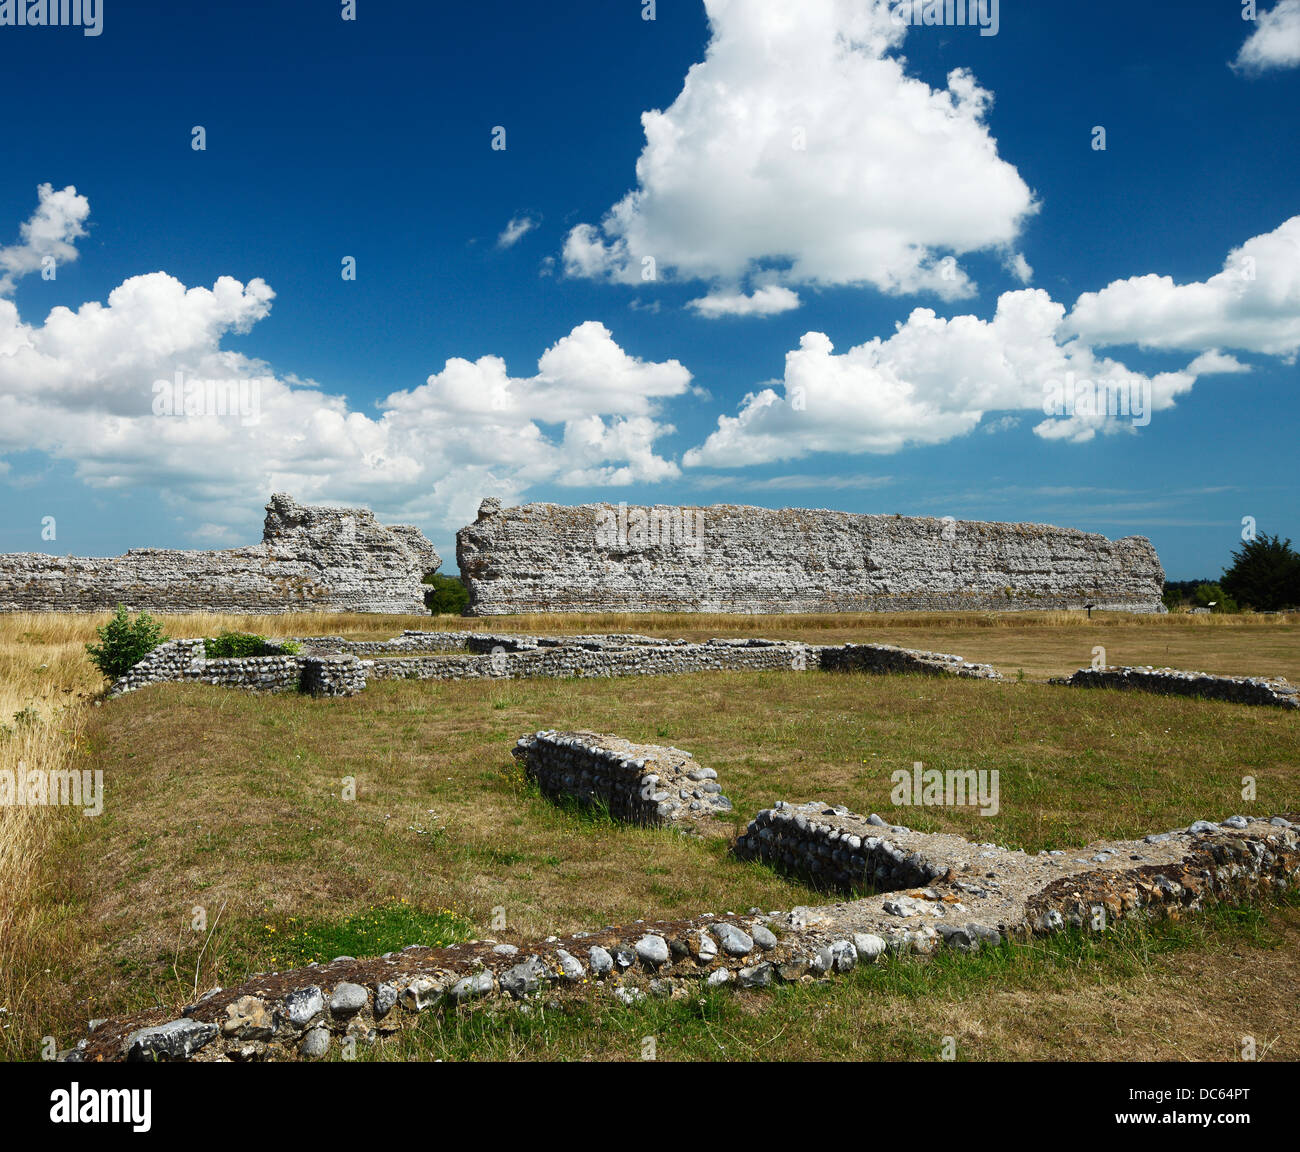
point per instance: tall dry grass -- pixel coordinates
(45, 683)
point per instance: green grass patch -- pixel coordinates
(386, 928)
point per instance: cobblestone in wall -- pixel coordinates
(331, 675)
(831, 847)
(985, 895)
(552, 558)
(310, 558)
(1265, 690)
(646, 784)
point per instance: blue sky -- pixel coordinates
(825, 173)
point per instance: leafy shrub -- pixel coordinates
(243, 644)
(1180, 595)
(124, 642)
(1213, 597)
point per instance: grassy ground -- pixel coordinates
(227, 845)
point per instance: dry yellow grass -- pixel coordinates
(45, 679)
(44, 669)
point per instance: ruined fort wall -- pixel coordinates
(731, 558)
(333, 559)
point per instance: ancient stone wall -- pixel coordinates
(887, 658)
(831, 847)
(321, 674)
(730, 558)
(474, 656)
(646, 784)
(978, 895)
(1264, 690)
(310, 558)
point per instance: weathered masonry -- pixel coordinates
(731, 558)
(331, 559)
(967, 897)
(1263, 690)
(333, 666)
(638, 783)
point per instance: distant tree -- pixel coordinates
(1181, 594)
(124, 642)
(1212, 596)
(447, 596)
(1265, 574)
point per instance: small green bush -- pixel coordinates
(243, 644)
(124, 642)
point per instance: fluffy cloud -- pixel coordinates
(1253, 304)
(96, 386)
(798, 144)
(769, 301)
(516, 230)
(1216, 363)
(1275, 42)
(934, 380)
(49, 233)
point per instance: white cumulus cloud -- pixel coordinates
(799, 146)
(83, 386)
(931, 381)
(49, 234)
(1253, 304)
(769, 301)
(1275, 42)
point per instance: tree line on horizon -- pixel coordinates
(1264, 577)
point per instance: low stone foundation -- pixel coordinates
(186, 660)
(331, 676)
(831, 847)
(500, 656)
(886, 658)
(639, 783)
(979, 895)
(471, 655)
(1266, 690)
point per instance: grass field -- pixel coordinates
(234, 804)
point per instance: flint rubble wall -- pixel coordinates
(465, 656)
(1264, 690)
(310, 559)
(646, 784)
(983, 896)
(552, 558)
